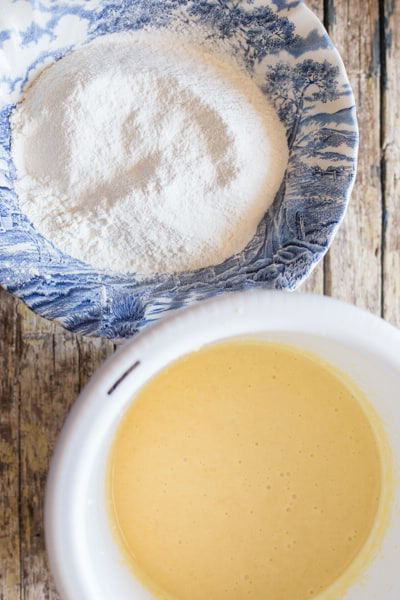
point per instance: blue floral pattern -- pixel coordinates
(288, 53)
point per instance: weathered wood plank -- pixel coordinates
(317, 6)
(390, 14)
(46, 393)
(92, 353)
(10, 580)
(353, 264)
(42, 367)
(315, 282)
(54, 364)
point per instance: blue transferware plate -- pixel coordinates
(288, 53)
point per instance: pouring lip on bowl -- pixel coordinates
(83, 557)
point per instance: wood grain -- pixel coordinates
(353, 264)
(315, 282)
(43, 367)
(390, 47)
(46, 367)
(10, 578)
(45, 397)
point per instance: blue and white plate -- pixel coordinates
(288, 53)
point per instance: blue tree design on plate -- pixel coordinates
(312, 98)
(258, 32)
(127, 15)
(312, 198)
(285, 4)
(292, 87)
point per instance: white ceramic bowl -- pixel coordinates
(85, 559)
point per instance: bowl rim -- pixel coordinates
(117, 380)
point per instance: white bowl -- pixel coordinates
(84, 557)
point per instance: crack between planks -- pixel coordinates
(329, 13)
(17, 392)
(383, 81)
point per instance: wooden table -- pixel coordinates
(43, 367)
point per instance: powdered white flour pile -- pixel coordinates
(139, 154)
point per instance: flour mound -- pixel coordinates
(137, 153)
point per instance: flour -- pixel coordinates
(141, 153)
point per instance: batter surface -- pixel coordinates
(244, 470)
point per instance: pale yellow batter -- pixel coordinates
(244, 470)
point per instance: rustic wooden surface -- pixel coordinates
(43, 367)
